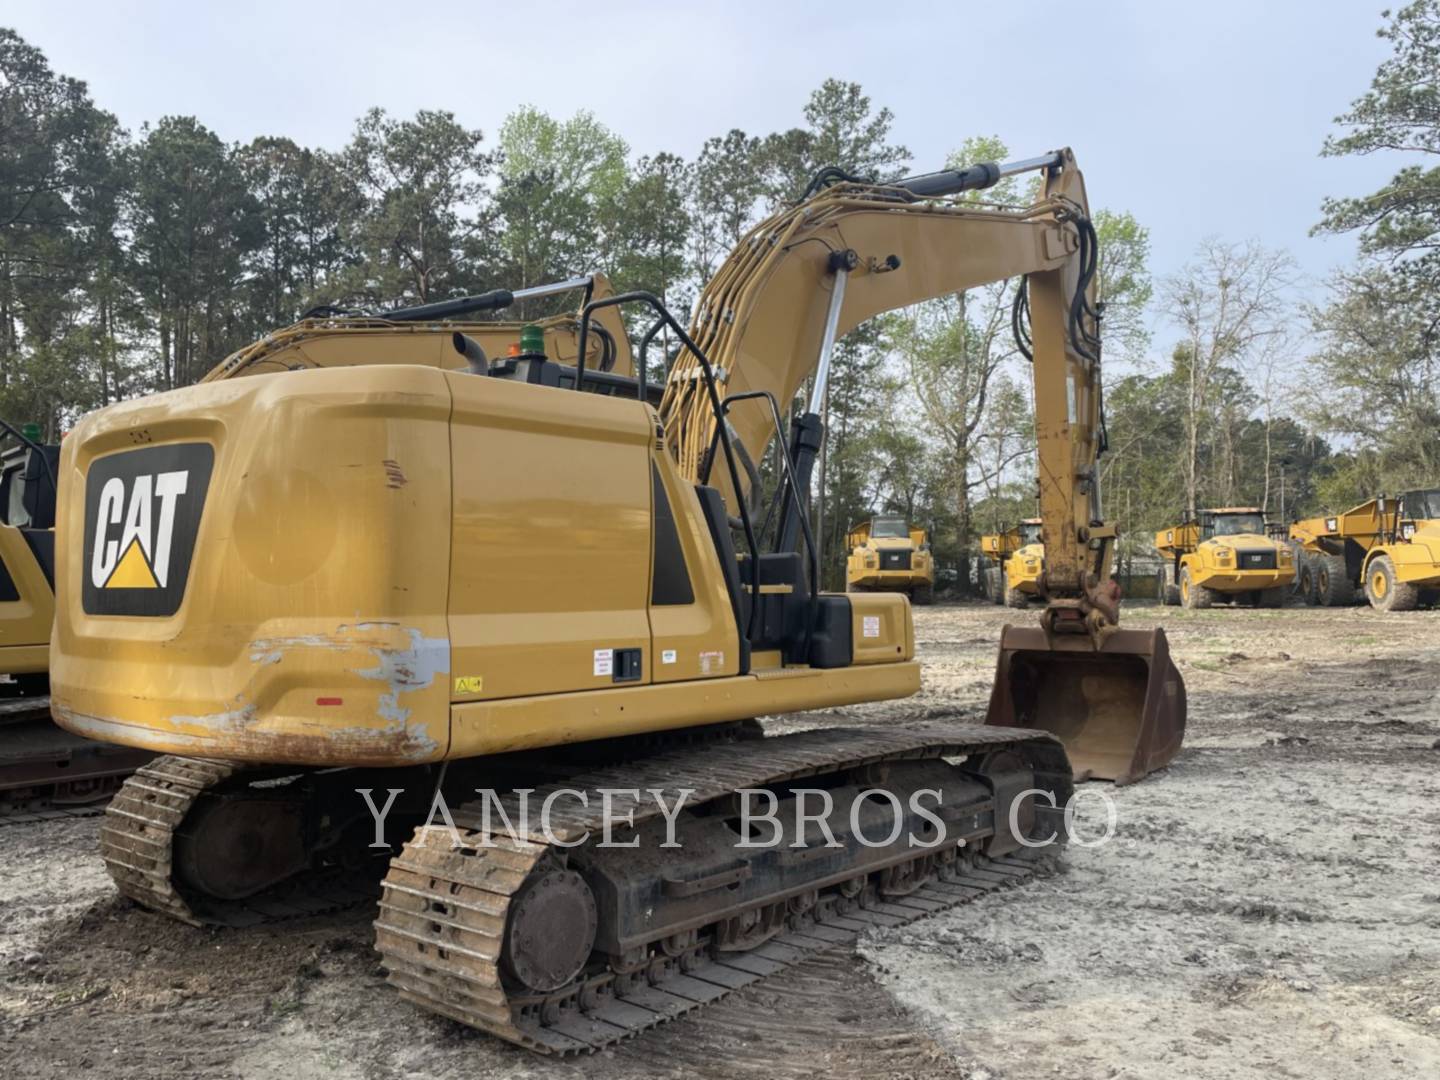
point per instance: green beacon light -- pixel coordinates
(31, 431)
(532, 340)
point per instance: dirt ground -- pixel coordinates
(1269, 906)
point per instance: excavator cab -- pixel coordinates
(1119, 707)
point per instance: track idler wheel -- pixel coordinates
(235, 846)
(550, 930)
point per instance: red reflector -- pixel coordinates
(329, 701)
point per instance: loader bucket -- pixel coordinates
(1120, 711)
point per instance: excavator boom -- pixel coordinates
(800, 280)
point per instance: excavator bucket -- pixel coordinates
(1120, 710)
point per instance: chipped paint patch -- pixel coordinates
(256, 726)
(272, 650)
(405, 661)
(233, 721)
(116, 731)
(404, 670)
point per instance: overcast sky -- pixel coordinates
(1199, 118)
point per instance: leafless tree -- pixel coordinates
(1230, 301)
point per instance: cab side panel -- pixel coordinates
(550, 563)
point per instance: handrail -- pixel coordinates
(644, 388)
(664, 318)
(800, 503)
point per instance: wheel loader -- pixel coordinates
(887, 555)
(361, 595)
(1224, 556)
(1386, 550)
(1019, 553)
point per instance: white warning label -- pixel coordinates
(870, 626)
(604, 661)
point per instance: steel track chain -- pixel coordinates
(137, 839)
(443, 909)
(19, 802)
(137, 844)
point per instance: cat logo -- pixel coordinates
(142, 514)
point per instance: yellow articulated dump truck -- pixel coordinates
(887, 555)
(531, 592)
(1224, 555)
(1330, 554)
(1019, 554)
(1385, 549)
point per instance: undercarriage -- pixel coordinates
(726, 858)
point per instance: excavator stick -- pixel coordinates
(1120, 709)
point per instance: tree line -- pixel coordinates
(131, 262)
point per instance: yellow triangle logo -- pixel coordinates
(132, 571)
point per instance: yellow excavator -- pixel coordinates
(1019, 555)
(27, 552)
(45, 772)
(887, 555)
(422, 583)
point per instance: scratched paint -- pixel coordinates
(232, 721)
(272, 650)
(404, 670)
(403, 659)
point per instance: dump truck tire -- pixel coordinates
(1014, 598)
(1384, 589)
(922, 595)
(1273, 598)
(994, 586)
(1332, 581)
(1166, 591)
(1194, 596)
(1306, 581)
